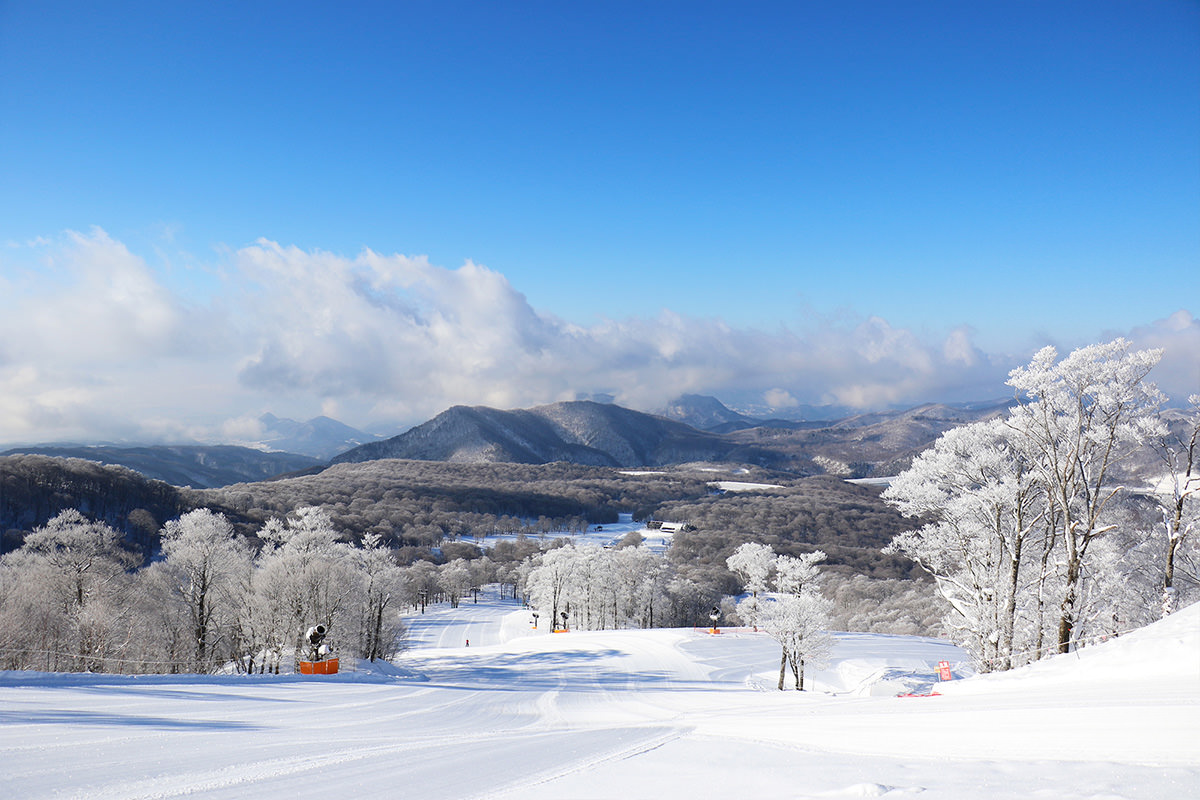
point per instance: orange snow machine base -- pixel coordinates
(327, 667)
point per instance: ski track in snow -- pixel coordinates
(526, 715)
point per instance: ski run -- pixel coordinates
(525, 714)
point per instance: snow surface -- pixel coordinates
(743, 486)
(627, 714)
(609, 535)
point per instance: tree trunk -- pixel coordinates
(783, 659)
(1066, 622)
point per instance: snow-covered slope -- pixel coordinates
(630, 714)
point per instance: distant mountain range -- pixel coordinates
(693, 428)
(710, 414)
(194, 466)
(284, 446)
(600, 434)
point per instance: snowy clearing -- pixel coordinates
(610, 535)
(743, 486)
(632, 714)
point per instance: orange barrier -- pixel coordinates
(327, 667)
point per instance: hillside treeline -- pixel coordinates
(417, 507)
(424, 503)
(73, 598)
(850, 523)
(35, 488)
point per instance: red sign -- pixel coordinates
(944, 671)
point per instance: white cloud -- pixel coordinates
(780, 398)
(1178, 373)
(93, 345)
(957, 349)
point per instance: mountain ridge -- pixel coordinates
(579, 431)
(605, 434)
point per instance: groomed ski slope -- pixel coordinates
(621, 714)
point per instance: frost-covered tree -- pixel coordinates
(797, 575)
(1079, 418)
(71, 575)
(455, 580)
(376, 601)
(795, 614)
(601, 588)
(1179, 492)
(1014, 509)
(549, 581)
(206, 565)
(797, 622)
(977, 489)
(752, 563)
(421, 584)
(304, 576)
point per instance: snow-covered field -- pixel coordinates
(626, 714)
(603, 535)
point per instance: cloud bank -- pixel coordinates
(96, 344)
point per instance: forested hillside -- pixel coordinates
(850, 523)
(420, 503)
(35, 488)
(583, 432)
(195, 466)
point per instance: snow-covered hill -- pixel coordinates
(656, 714)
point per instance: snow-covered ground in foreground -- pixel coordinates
(627, 714)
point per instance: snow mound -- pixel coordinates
(864, 665)
(1164, 652)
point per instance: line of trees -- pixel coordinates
(1031, 529)
(626, 587)
(70, 600)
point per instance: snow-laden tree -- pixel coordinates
(1179, 493)
(206, 564)
(304, 576)
(1014, 508)
(600, 588)
(795, 614)
(1123, 583)
(455, 580)
(752, 563)
(977, 489)
(797, 575)
(642, 577)
(421, 584)
(69, 578)
(550, 580)
(797, 622)
(375, 602)
(1078, 419)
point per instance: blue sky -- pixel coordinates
(675, 187)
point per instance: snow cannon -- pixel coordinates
(319, 662)
(315, 635)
